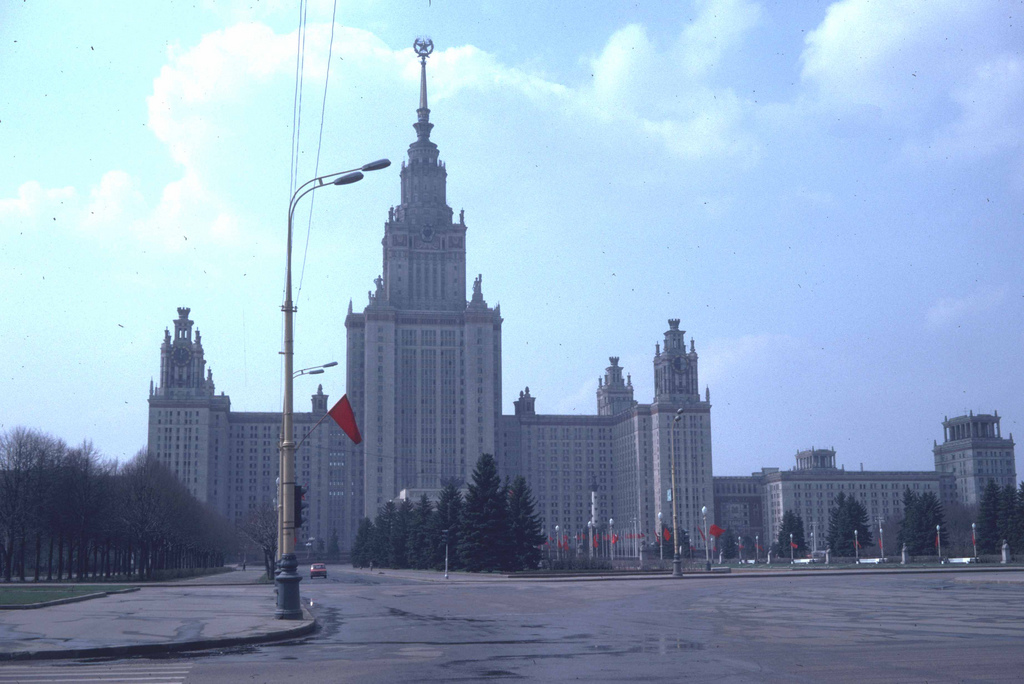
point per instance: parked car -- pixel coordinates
(318, 570)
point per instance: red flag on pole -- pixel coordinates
(595, 542)
(936, 540)
(664, 533)
(346, 420)
(716, 531)
(973, 539)
(856, 542)
(879, 544)
(793, 544)
(702, 534)
(615, 539)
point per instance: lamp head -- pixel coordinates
(376, 165)
(331, 364)
(348, 178)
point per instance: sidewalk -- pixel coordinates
(152, 620)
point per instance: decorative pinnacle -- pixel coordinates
(423, 47)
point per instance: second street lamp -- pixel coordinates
(287, 580)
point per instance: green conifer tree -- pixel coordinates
(988, 520)
(729, 548)
(399, 538)
(524, 526)
(484, 536)
(362, 547)
(909, 532)
(333, 548)
(421, 542)
(448, 517)
(383, 526)
(791, 524)
(931, 514)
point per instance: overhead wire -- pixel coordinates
(319, 140)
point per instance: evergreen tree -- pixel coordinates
(791, 524)
(399, 539)
(524, 527)
(910, 529)
(362, 547)
(988, 520)
(1009, 516)
(382, 529)
(448, 517)
(484, 536)
(421, 545)
(930, 513)
(847, 516)
(729, 544)
(333, 548)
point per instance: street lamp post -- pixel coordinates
(558, 543)
(856, 545)
(707, 548)
(790, 548)
(881, 542)
(611, 538)
(661, 537)
(757, 547)
(938, 541)
(974, 539)
(287, 581)
(590, 530)
(677, 561)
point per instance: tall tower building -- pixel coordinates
(424, 365)
(188, 425)
(974, 450)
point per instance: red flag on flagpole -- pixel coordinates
(664, 533)
(346, 420)
(702, 535)
(936, 540)
(716, 531)
(615, 539)
(879, 544)
(595, 542)
(793, 544)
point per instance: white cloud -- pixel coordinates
(35, 202)
(991, 107)
(950, 310)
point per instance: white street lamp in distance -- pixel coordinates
(287, 581)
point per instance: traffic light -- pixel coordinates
(300, 504)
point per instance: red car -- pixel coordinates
(318, 570)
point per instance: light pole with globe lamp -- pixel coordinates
(287, 581)
(707, 547)
(677, 561)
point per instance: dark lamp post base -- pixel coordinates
(287, 586)
(677, 566)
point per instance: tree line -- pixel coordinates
(495, 527)
(1001, 518)
(68, 513)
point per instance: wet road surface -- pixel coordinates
(884, 628)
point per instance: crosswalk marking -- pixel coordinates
(52, 673)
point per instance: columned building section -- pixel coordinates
(424, 365)
(974, 450)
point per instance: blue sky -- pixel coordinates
(830, 197)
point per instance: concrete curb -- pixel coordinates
(308, 626)
(70, 599)
(780, 574)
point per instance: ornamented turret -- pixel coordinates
(675, 369)
(613, 394)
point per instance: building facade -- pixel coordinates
(974, 450)
(423, 364)
(230, 459)
(809, 490)
(623, 454)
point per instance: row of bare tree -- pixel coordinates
(68, 513)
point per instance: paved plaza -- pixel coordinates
(390, 626)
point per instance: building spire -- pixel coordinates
(423, 47)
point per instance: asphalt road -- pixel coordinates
(874, 628)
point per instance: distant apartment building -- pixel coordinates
(810, 488)
(974, 450)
